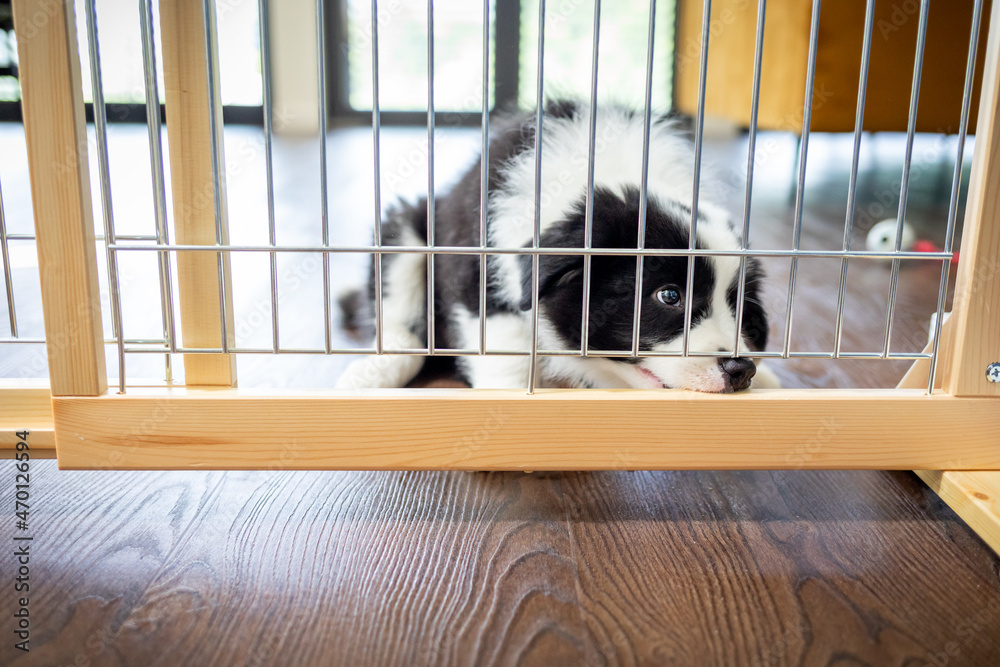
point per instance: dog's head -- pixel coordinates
(662, 292)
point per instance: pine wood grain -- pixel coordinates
(501, 430)
(26, 405)
(52, 103)
(437, 568)
(977, 300)
(185, 81)
(975, 496)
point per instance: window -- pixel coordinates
(458, 60)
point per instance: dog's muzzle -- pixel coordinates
(737, 372)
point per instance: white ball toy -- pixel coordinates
(882, 237)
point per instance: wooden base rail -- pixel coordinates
(26, 405)
(508, 430)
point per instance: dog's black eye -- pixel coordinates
(669, 295)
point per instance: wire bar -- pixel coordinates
(956, 182)
(610, 252)
(97, 237)
(801, 182)
(220, 237)
(7, 276)
(430, 175)
(588, 216)
(263, 26)
(644, 181)
(699, 136)
(376, 127)
(484, 176)
(159, 188)
(859, 117)
(536, 235)
(904, 187)
(751, 159)
(619, 354)
(100, 128)
(162, 342)
(324, 195)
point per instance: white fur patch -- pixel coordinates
(404, 298)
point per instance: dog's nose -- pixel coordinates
(738, 372)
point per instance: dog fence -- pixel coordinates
(943, 417)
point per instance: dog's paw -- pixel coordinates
(379, 372)
(765, 378)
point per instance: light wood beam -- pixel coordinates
(185, 79)
(54, 128)
(509, 430)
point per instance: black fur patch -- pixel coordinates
(612, 284)
(755, 324)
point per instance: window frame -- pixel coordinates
(505, 83)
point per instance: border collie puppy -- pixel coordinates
(617, 178)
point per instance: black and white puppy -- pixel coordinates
(509, 295)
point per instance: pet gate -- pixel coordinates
(944, 416)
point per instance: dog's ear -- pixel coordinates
(755, 324)
(554, 272)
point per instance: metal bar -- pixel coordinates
(265, 69)
(956, 183)
(536, 234)
(100, 129)
(210, 26)
(859, 117)
(751, 158)
(644, 180)
(7, 277)
(588, 219)
(97, 237)
(324, 195)
(159, 187)
(699, 136)
(801, 181)
(448, 352)
(610, 252)
(430, 175)
(484, 177)
(904, 187)
(376, 126)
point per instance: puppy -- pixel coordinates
(509, 295)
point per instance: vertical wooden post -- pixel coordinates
(52, 103)
(185, 79)
(976, 313)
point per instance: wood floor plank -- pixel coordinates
(754, 568)
(610, 568)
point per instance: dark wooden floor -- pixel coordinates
(355, 568)
(618, 568)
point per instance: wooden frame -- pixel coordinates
(26, 405)
(204, 427)
(52, 100)
(501, 429)
(185, 81)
